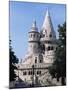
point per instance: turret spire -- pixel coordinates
(47, 25)
(34, 26)
(47, 20)
(34, 23)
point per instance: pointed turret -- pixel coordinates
(34, 34)
(48, 39)
(34, 27)
(46, 20)
(33, 38)
(47, 27)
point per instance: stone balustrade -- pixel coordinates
(36, 66)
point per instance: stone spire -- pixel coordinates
(47, 25)
(34, 26)
(46, 19)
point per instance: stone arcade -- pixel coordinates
(42, 45)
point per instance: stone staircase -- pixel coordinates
(45, 79)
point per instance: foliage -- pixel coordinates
(58, 69)
(12, 60)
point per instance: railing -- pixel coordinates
(36, 66)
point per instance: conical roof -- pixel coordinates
(34, 26)
(47, 26)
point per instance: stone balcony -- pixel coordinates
(36, 66)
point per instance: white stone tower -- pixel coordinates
(33, 39)
(48, 39)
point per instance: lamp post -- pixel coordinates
(18, 73)
(17, 79)
(33, 75)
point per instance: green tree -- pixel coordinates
(58, 69)
(12, 60)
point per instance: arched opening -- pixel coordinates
(41, 59)
(43, 47)
(38, 72)
(50, 35)
(31, 35)
(43, 35)
(52, 48)
(24, 73)
(29, 73)
(35, 59)
(48, 48)
(34, 35)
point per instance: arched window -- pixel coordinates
(48, 48)
(31, 35)
(35, 59)
(52, 48)
(38, 72)
(24, 73)
(41, 59)
(34, 35)
(50, 35)
(29, 73)
(43, 47)
(43, 35)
